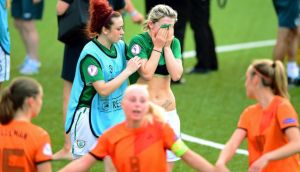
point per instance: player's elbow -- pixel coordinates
(297, 147)
(147, 77)
(176, 76)
(104, 93)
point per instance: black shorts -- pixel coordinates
(71, 55)
(27, 10)
(287, 12)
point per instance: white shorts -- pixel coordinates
(173, 120)
(4, 66)
(82, 138)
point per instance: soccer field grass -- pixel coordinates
(209, 105)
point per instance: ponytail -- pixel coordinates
(280, 80)
(7, 110)
(272, 74)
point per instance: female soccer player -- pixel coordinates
(23, 145)
(270, 126)
(140, 142)
(100, 79)
(161, 61)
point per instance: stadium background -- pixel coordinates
(209, 105)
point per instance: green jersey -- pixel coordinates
(141, 45)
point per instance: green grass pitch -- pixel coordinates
(209, 105)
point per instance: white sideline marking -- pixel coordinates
(209, 143)
(235, 47)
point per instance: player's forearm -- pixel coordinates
(174, 66)
(285, 151)
(228, 152)
(44, 167)
(110, 86)
(147, 69)
(82, 164)
(225, 155)
(291, 148)
(197, 162)
(232, 145)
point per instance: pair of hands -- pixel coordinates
(163, 38)
(134, 64)
(137, 18)
(257, 166)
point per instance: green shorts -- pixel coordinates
(27, 10)
(287, 12)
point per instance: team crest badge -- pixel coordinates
(47, 149)
(80, 143)
(136, 49)
(92, 70)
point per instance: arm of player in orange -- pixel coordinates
(82, 164)
(291, 148)
(230, 148)
(44, 167)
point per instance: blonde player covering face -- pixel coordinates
(161, 62)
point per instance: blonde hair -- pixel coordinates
(157, 12)
(155, 112)
(272, 74)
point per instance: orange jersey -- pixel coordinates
(138, 150)
(23, 146)
(265, 132)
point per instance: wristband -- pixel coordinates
(156, 50)
(133, 13)
(179, 148)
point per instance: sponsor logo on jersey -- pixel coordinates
(289, 120)
(92, 70)
(136, 49)
(109, 105)
(47, 149)
(80, 144)
(105, 106)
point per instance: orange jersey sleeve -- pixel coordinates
(102, 148)
(287, 116)
(244, 120)
(23, 146)
(169, 136)
(43, 149)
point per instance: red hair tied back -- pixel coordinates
(99, 11)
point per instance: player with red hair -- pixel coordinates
(100, 79)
